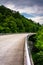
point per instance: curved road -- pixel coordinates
(12, 49)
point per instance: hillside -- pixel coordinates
(13, 22)
(37, 52)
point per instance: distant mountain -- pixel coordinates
(13, 22)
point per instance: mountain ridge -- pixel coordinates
(13, 22)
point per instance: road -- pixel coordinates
(12, 49)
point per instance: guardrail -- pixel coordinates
(27, 57)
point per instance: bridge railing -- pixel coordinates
(27, 54)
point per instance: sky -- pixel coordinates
(31, 9)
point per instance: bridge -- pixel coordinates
(14, 50)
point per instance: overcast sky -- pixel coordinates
(32, 9)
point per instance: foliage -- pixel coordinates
(37, 51)
(38, 58)
(39, 42)
(13, 22)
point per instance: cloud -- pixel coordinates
(37, 19)
(26, 2)
(10, 5)
(29, 6)
(33, 9)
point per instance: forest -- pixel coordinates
(13, 22)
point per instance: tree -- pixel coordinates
(11, 24)
(13, 21)
(40, 39)
(20, 25)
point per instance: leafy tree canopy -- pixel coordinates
(13, 22)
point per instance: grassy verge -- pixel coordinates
(37, 50)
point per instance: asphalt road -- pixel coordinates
(12, 49)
